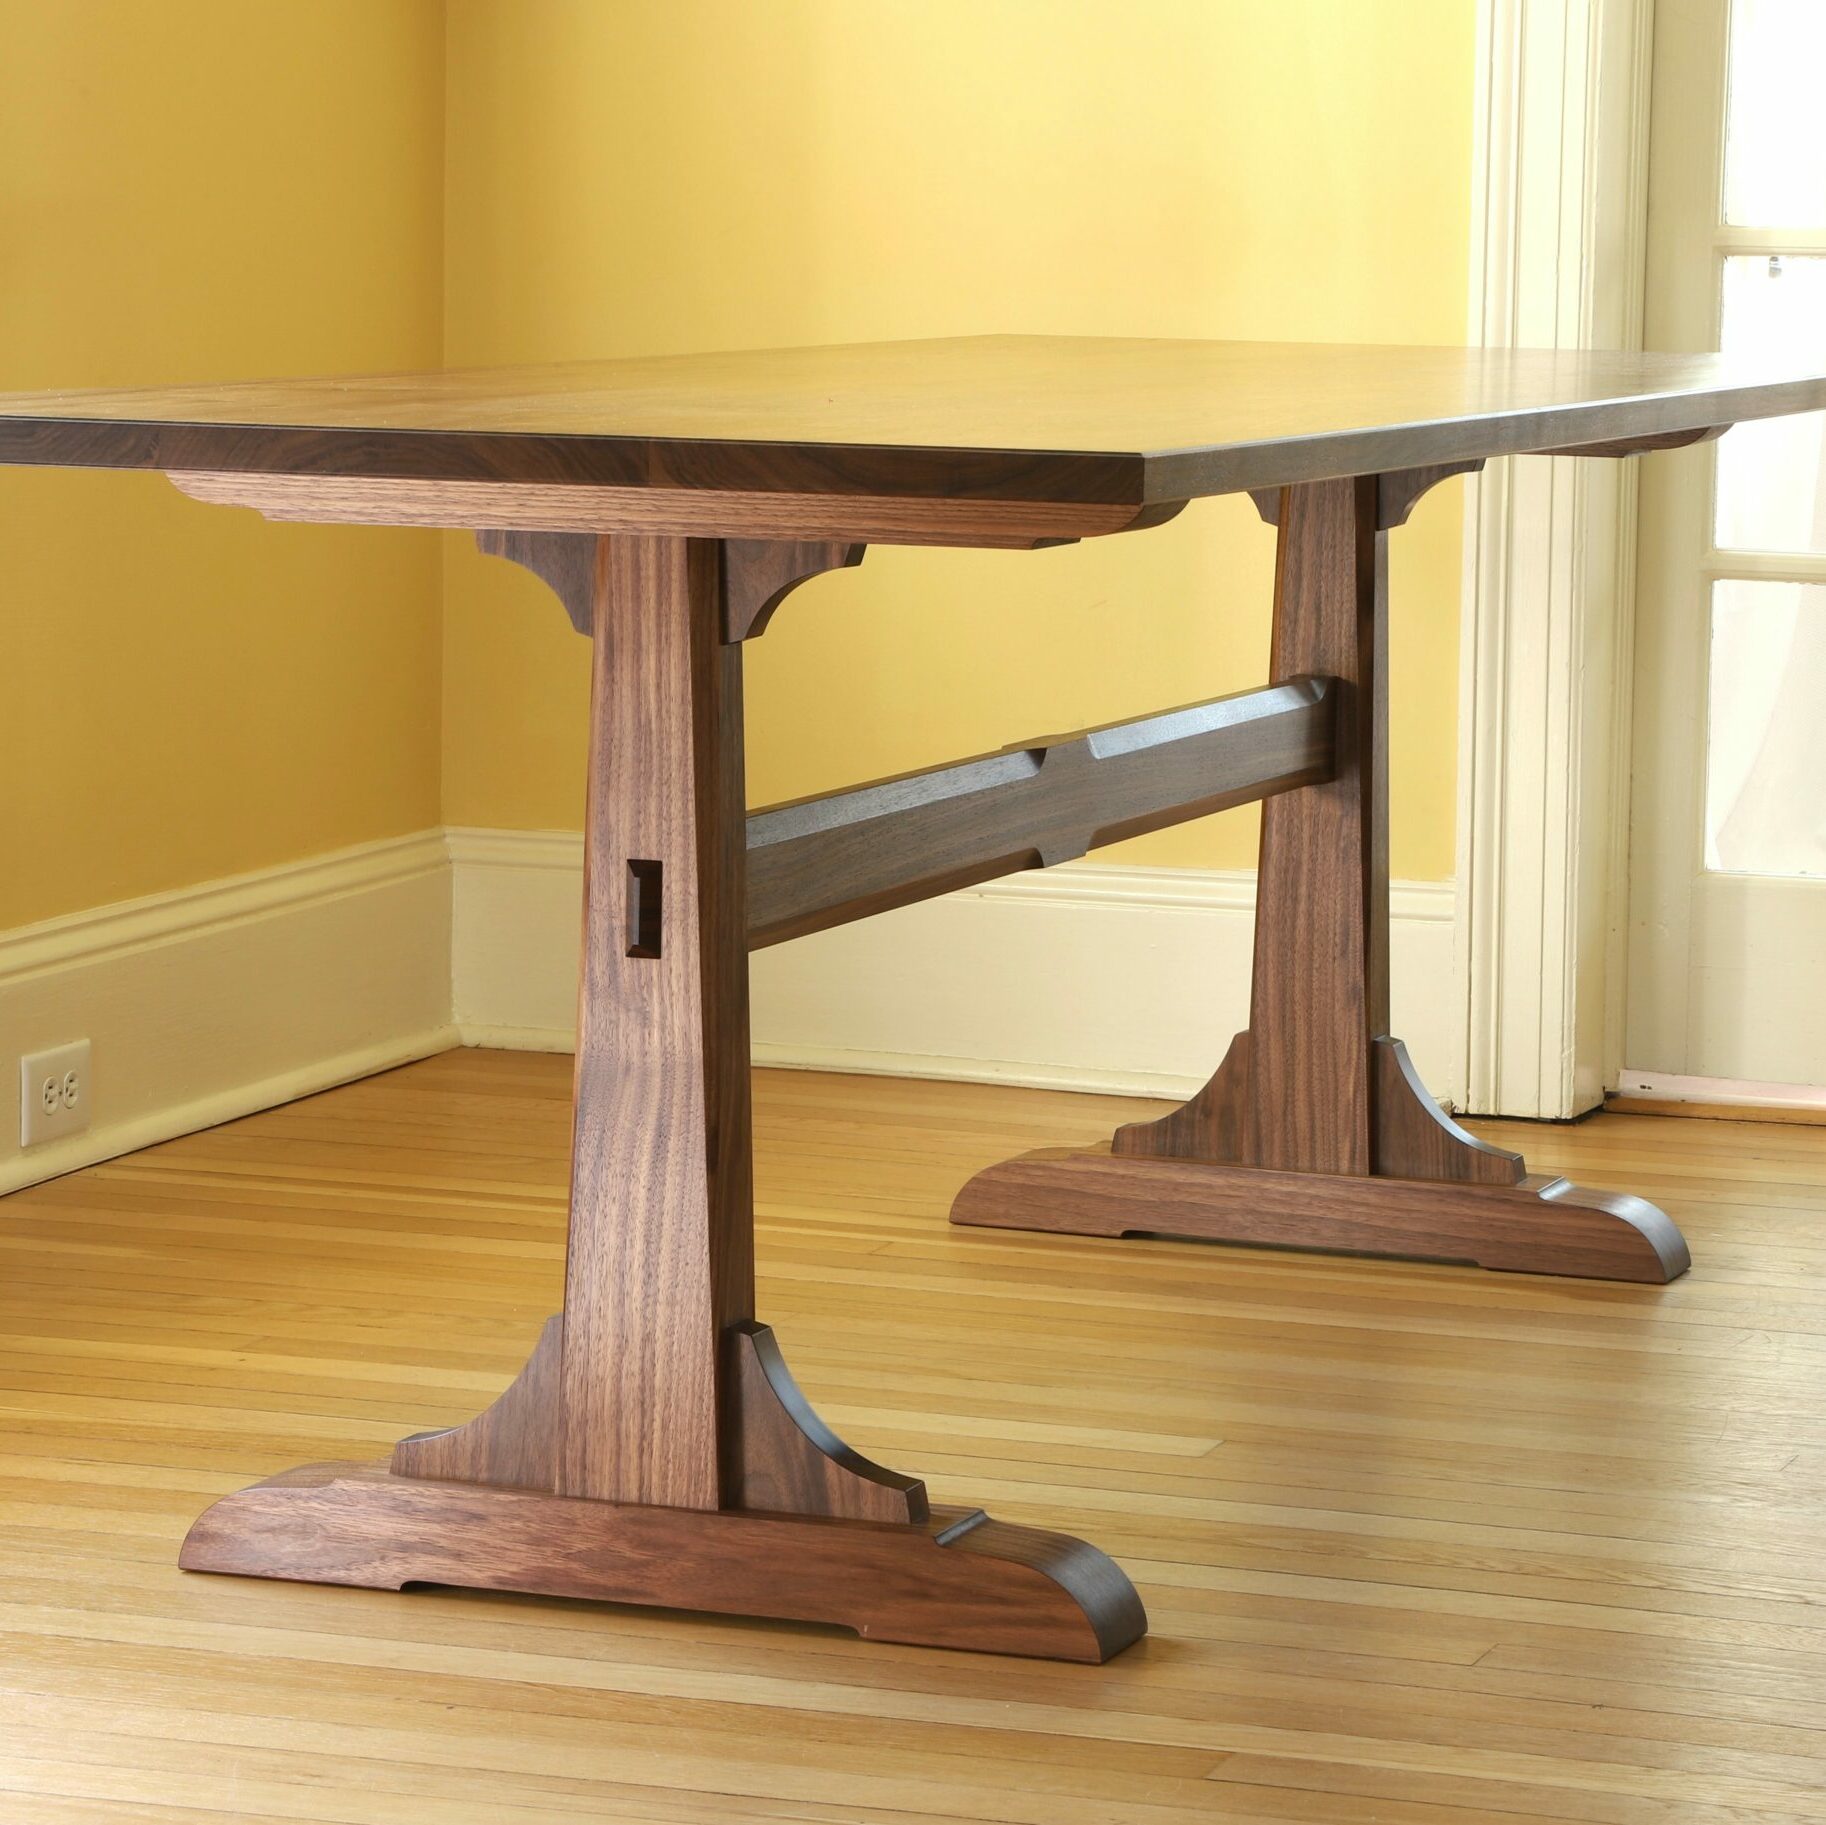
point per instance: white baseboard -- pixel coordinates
(516, 899)
(1084, 977)
(1729, 1092)
(212, 1001)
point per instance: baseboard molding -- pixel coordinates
(213, 1001)
(1084, 977)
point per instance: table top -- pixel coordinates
(1030, 418)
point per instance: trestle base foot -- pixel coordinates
(1539, 1225)
(954, 1580)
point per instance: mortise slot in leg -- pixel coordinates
(646, 885)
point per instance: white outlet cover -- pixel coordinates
(54, 1093)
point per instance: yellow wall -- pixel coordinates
(199, 189)
(627, 177)
(210, 188)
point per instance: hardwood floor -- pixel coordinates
(1421, 1546)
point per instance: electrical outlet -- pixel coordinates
(53, 1093)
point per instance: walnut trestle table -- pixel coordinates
(655, 1449)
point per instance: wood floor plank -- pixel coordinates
(1420, 1545)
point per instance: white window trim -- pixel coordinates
(1559, 219)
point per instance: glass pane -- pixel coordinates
(1771, 476)
(1775, 151)
(1765, 811)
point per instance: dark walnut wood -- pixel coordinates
(1011, 419)
(655, 1448)
(954, 1580)
(1315, 1131)
(1317, 1002)
(1397, 493)
(1642, 446)
(564, 561)
(754, 515)
(781, 1458)
(660, 1262)
(755, 577)
(1536, 1226)
(514, 1442)
(759, 574)
(1416, 1139)
(778, 1454)
(825, 861)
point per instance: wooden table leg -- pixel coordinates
(654, 1449)
(1315, 1132)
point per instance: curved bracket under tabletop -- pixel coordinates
(754, 576)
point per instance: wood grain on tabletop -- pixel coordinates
(1419, 1545)
(1026, 418)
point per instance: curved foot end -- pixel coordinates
(1608, 1235)
(1033, 1191)
(285, 1527)
(1095, 1613)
